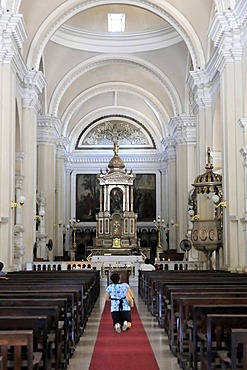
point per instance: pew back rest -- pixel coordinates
(18, 339)
(238, 336)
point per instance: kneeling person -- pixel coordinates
(120, 309)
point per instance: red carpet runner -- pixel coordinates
(129, 350)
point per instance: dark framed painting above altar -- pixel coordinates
(145, 197)
(87, 197)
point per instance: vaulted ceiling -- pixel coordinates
(99, 82)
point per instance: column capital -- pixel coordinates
(48, 131)
(228, 32)
(62, 143)
(202, 83)
(31, 86)
(184, 129)
(170, 149)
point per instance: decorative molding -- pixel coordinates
(48, 130)
(104, 42)
(12, 35)
(106, 130)
(30, 88)
(19, 178)
(184, 129)
(64, 12)
(101, 61)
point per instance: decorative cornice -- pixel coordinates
(12, 35)
(104, 42)
(76, 159)
(184, 129)
(201, 85)
(30, 89)
(62, 144)
(48, 130)
(228, 32)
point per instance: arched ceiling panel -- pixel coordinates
(120, 73)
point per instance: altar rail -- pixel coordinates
(180, 265)
(56, 266)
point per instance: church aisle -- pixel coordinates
(158, 339)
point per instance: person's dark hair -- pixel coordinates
(115, 278)
(148, 261)
(1, 266)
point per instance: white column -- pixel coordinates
(32, 85)
(48, 134)
(68, 172)
(226, 34)
(184, 132)
(171, 190)
(12, 35)
(59, 198)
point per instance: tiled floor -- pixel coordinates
(158, 339)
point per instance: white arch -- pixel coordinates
(71, 76)
(92, 116)
(163, 9)
(162, 115)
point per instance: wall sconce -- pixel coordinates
(20, 203)
(173, 223)
(40, 215)
(59, 224)
(217, 203)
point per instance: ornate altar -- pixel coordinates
(116, 221)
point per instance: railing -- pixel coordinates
(104, 266)
(179, 265)
(56, 266)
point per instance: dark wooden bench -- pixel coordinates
(54, 331)
(22, 355)
(236, 358)
(181, 342)
(78, 310)
(166, 290)
(198, 325)
(218, 336)
(41, 295)
(53, 302)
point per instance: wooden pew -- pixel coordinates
(44, 296)
(159, 292)
(77, 291)
(61, 304)
(39, 327)
(230, 359)
(198, 325)
(19, 339)
(218, 331)
(165, 300)
(52, 314)
(183, 308)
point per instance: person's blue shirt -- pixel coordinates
(118, 291)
